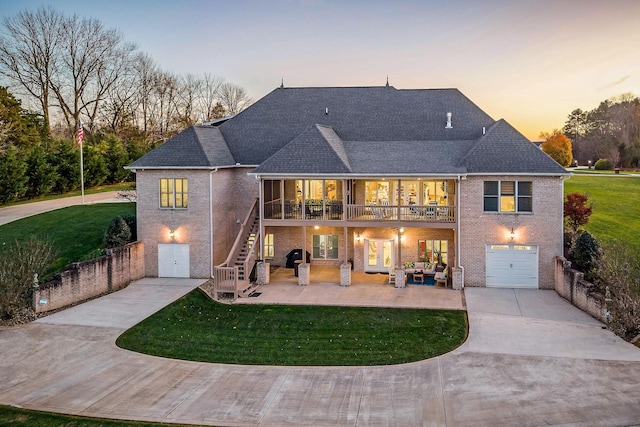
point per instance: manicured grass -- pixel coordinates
(600, 172)
(93, 190)
(14, 417)
(75, 231)
(196, 328)
(616, 206)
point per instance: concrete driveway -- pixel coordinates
(531, 359)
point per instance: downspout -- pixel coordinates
(211, 219)
(458, 248)
(260, 216)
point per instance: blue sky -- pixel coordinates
(529, 62)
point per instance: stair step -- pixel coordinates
(248, 290)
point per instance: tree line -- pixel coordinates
(611, 131)
(72, 71)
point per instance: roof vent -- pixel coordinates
(484, 130)
(448, 126)
(326, 110)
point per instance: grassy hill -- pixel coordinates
(75, 231)
(616, 206)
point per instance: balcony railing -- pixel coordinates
(333, 210)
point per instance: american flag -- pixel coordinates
(80, 134)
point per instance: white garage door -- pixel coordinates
(173, 260)
(512, 266)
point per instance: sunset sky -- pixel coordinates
(529, 62)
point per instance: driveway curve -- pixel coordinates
(531, 359)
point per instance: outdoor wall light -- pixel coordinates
(172, 234)
(358, 236)
(512, 234)
(316, 227)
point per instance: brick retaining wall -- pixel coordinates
(570, 285)
(91, 278)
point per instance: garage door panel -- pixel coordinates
(512, 266)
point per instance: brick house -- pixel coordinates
(374, 176)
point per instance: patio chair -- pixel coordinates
(313, 211)
(392, 276)
(441, 279)
(335, 209)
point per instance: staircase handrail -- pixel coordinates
(242, 235)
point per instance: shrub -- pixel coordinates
(603, 164)
(20, 267)
(619, 270)
(132, 222)
(586, 253)
(576, 211)
(118, 234)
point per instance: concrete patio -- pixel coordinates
(372, 290)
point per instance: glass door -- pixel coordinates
(378, 255)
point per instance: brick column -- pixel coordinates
(401, 278)
(304, 272)
(456, 278)
(263, 273)
(345, 274)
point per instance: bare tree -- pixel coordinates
(92, 59)
(234, 98)
(29, 52)
(188, 94)
(145, 71)
(209, 101)
(165, 87)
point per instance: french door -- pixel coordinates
(378, 255)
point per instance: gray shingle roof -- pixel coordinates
(505, 150)
(355, 114)
(406, 157)
(356, 130)
(197, 146)
(316, 150)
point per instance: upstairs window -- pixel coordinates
(174, 193)
(508, 196)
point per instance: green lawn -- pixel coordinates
(15, 417)
(616, 206)
(75, 231)
(196, 328)
(93, 190)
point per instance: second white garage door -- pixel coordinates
(512, 266)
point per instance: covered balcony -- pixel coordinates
(400, 200)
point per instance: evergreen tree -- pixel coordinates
(13, 178)
(118, 234)
(66, 160)
(41, 175)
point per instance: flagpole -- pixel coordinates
(80, 139)
(81, 172)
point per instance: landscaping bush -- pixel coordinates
(132, 222)
(603, 164)
(586, 253)
(118, 234)
(21, 266)
(619, 271)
